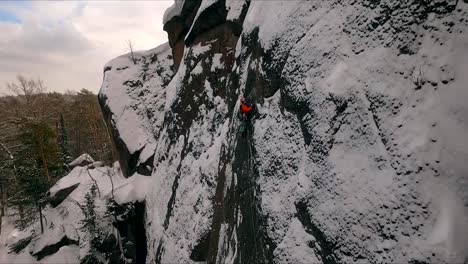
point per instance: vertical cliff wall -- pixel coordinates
(356, 151)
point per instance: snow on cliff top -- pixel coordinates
(82, 158)
(133, 189)
(173, 10)
(128, 95)
(125, 190)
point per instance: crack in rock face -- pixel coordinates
(355, 151)
(53, 248)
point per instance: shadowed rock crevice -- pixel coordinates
(53, 248)
(209, 18)
(178, 27)
(145, 168)
(132, 230)
(200, 251)
(264, 77)
(222, 216)
(61, 195)
(238, 211)
(325, 247)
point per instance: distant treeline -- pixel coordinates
(40, 134)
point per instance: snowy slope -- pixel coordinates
(357, 150)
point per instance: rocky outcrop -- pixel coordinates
(53, 248)
(82, 161)
(348, 157)
(195, 20)
(208, 18)
(178, 26)
(134, 145)
(61, 195)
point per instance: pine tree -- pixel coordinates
(32, 186)
(88, 224)
(64, 146)
(36, 162)
(35, 138)
(38, 138)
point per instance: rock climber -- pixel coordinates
(246, 109)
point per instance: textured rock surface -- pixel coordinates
(61, 195)
(132, 99)
(357, 150)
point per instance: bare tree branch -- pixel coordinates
(11, 157)
(130, 45)
(7, 150)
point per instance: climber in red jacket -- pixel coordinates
(246, 108)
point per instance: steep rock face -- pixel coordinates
(132, 100)
(357, 150)
(178, 26)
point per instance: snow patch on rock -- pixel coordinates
(82, 159)
(174, 10)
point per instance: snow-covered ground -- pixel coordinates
(66, 218)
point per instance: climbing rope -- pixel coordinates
(251, 188)
(252, 196)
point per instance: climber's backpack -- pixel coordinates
(242, 127)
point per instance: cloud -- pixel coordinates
(68, 43)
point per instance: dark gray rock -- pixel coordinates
(61, 195)
(53, 248)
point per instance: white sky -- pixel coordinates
(67, 43)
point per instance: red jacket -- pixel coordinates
(245, 108)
